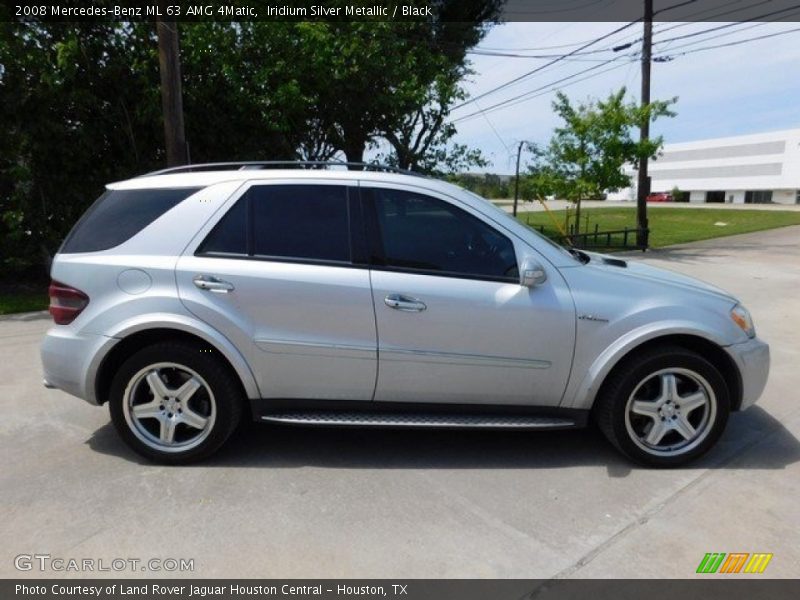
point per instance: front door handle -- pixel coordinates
(212, 284)
(404, 303)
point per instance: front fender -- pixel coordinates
(581, 391)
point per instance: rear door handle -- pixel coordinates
(212, 284)
(404, 303)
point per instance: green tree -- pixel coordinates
(586, 155)
(391, 80)
(80, 103)
(78, 108)
(421, 138)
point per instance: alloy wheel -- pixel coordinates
(169, 407)
(670, 412)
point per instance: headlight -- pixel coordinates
(742, 318)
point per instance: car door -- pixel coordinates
(276, 275)
(454, 323)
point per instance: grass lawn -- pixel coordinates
(25, 301)
(671, 225)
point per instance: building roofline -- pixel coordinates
(733, 139)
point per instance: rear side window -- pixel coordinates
(305, 222)
(118, 215)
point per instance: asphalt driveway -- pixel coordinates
(292, 502)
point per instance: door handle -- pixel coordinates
(404, 303)
(212, 284)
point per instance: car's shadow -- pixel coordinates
(753, 440)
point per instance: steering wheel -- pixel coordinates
(478, 246)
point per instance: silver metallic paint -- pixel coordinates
(316, 331)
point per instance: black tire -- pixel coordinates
(220, 401)
(617, 420)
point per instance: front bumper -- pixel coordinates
(752, 359)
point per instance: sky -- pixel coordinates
(748, 88)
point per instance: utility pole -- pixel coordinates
(643, 187)
(516, 179)
(169, 63)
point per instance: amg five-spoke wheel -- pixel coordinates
(175, 402)
(664, 406)
(671, 410)
(169, 407)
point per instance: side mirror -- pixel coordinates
(531, 273)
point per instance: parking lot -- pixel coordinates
(294, 502)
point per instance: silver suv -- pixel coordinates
(189, 297)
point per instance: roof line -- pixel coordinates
(276, 164)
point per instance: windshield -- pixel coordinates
(503, 215)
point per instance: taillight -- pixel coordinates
(66, 302)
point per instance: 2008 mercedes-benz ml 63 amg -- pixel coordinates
(190, 297)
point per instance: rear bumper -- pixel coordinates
(70, 361)
(752, 358)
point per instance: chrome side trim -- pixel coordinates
(454, 358)
(310, 349)
(331, 346)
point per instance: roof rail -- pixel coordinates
(281, 164)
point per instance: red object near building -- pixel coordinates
(659, 197)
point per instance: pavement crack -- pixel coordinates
(648, 515)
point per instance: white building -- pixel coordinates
(759, 168)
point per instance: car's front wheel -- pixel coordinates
(175, 402)
(664, 407)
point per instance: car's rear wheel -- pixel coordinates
(664, 407)
(175, 402)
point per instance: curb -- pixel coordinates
(26, 316)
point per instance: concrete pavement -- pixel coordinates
(292, 502)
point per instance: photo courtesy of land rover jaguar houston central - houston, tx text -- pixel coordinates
(315, 294)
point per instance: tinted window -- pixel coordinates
(118, 215)
(285, 221)
(423, 233)
(229, 236)
(300, 221)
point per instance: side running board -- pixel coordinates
(434, 420)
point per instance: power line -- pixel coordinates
(627, 45)
(513, 14)
(714, 16)
(547, 88)
(672, 55)
(542, 67)
(493, 128)
(727, 33)
(554, 85)
(508, 55)
(689, 19)
(729, 25)
(719, 27)
(672, 7)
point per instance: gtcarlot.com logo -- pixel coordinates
(47, 562)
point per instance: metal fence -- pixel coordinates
(626, 238)
(623, 239)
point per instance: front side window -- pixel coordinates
(301, 222)
(422, 233)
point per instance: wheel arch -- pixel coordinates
(139, 337)
(709, 349)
